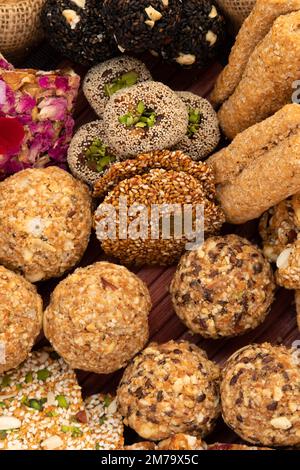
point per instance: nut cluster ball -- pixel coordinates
(45, 222)
(223, 288)
(20, 318)
(76, 29)
(260, 394)
(97, 319)
(168, 389)
(135, 24)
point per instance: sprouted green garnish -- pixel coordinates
(124, 81)
(98, 157)
(141, 117)
(195, 117)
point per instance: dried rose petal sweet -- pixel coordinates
(36, 123)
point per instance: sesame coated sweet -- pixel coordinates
(97, 319)
(105, 79)
(168, 389)
(154, 180)
(260, 394)
(45, 222)
(203, 133)
(137, 25)
(20, 318)
(224, 288)
(163, 118)
(84, 164)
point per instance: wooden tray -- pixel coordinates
(279, 327)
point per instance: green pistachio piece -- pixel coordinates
(102, 420)
(3, 435)
(6, 381)
(97, 447)
(124, 81)
(141, 118)
(76, 432)
(65, 429)
(195, 117)
(98, 157)
(62, 401)
(107, 401)
(2, 404)
(43, 374)
(36, 404)
(28, 377)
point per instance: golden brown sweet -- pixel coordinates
(297, 301)
(158, 178)
(20, 318)
(260, 394)
(97, 319)
(253, 30)
(260, 167)
(266, 84)
(224, 288)
(168, 389)
(45, 222)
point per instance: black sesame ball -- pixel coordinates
(76, 29)
(199, 37)
(138, 25)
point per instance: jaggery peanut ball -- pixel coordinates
(260, 394)
(20, 318)
(169, 389)
(97, 319)
(146, 117)
(45, 222)
(105, 79)
(182, 442)
(223, 288)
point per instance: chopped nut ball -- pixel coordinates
(203, 134)
(105, 79)
(279, 227)
(154, 180)
(145, 117)
(77, 30)
(260, 395)
(224, 288)
(45, 222)
(138, 25)
(168, 389)
(20, 318)
(199, 35)
(97, 319)
(182, 442)
(89, 156)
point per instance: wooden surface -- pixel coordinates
(280, 326)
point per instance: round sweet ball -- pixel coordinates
(138, 25)
(145, 117)
(223, 288)
(97, 319)
(104, 80)
(45, 222)
(199, 37)
(21, 311)
(169, 389)
(260, 393)
(89, 156)
(203, 133)
(76, 29)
